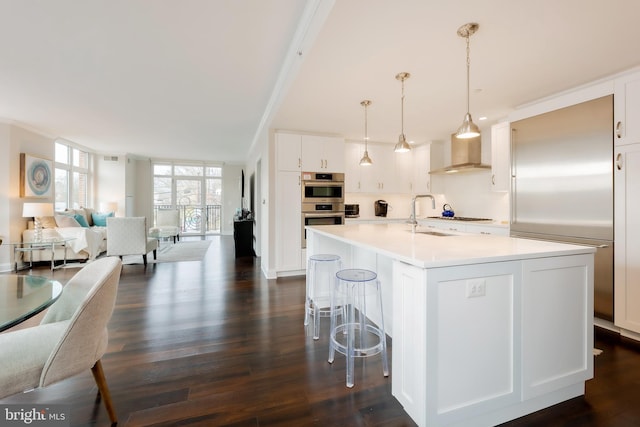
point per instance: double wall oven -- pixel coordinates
(322, 200)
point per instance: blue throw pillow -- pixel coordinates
(81, 220)
(100, 219)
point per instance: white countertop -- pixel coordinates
(428, 251)
(425, 220)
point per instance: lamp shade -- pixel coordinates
(468, 129)
(108, 207)
(37, 209)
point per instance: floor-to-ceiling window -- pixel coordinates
(73, 177)
(195, 190)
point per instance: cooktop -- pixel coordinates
(459, 218)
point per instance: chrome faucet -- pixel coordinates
(412, 220)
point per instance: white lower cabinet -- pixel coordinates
(288, 222)
(468, 227)
(498, 339)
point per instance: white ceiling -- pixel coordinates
(193, 79)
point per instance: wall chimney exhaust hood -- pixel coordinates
(465, 157)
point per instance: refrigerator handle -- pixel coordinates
(618, 129)
(513, 175)
(619, 161)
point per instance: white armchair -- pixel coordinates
(167, 224)
(128, 236)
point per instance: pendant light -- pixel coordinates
(468, 129)
(402, 146)
(365, 160)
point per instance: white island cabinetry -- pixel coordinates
(473, 319)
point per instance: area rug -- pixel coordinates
(169, 252)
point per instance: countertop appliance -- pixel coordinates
(381, 208)
(562, 184)
(351, 210)
(322, 200)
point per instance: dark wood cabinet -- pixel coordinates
(243, 237)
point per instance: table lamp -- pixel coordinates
(106, 207)
(37, 210)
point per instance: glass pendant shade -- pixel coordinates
(467, 129)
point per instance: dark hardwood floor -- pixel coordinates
(214, 343)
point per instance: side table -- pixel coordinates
(49, 243)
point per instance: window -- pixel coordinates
(195, 190)
(73, 177)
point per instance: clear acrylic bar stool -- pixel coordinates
(357, 335)
(321, 271)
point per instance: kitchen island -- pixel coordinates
(485, 328)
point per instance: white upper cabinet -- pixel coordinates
(421, 167)
(627, 110)
(404, 176)
(288, 154)
(501, 156)
(353, 152)
(309, 153)
(322, 154)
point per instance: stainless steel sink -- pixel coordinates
(433, 233)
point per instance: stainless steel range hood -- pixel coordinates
(465, 156)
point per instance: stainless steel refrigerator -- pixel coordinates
(562, 184)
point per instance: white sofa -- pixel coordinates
(86, 244)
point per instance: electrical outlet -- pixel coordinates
(476, 288)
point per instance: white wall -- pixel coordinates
(231, 195)
(13, 141)
(258, 162)
(110, 181)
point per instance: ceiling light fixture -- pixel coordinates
(468, 129)
(365, 160)
(402, 146)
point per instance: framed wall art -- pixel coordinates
(36, 176)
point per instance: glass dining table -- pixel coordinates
(24, 296)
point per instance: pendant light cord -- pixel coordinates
(468, 66)
(402, 109)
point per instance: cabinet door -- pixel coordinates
(288, 221)
(501, 157)
(421, 167)
(352, 154)
(288, 154)
(378, 177)
(333, 154)
(557, 313)
(402, 180)
(322, 154)
(627, 235)
(312, 153)
(486, 229)
(408, 382)
(627, 110)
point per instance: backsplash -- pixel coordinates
(468, 194)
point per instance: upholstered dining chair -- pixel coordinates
(128, 236)
(71, 338)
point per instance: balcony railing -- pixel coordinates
(192, 217)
